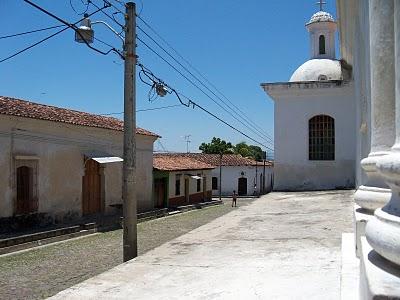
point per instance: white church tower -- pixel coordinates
(314, 132)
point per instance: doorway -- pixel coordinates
(242, 186)
(187, 190)
(160, 192)
(25, 201)
(205, 189)
(91, 188)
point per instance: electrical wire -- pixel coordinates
(226, 123)
(201, 75)
(162, 146)
(73, 26)
(206, 94)
(46, 38)
(29, 32)
(33, 45)
(86, 9)
(108, 3)
(190, 102)
(254, 129)
(141, 110)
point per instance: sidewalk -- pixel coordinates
(282, 246)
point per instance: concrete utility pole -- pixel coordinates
(129, 165)
(255, 183)
(263, 183)
(220, 176)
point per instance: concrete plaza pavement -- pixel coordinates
(282, 246)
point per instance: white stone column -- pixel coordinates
(383, 231)
(375, 193)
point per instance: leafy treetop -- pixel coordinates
(217, 146)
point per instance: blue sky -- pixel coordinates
(235, 44)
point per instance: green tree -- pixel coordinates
(217, 146)
(249, 151)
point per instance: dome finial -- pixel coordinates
(321, 4)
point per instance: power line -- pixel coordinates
(29, 32)
(33, 45)
(167, 89)
(259, 133)
(73, 26)
(141, 110)
(46, 38)
(107, 15)
(199, 73)
(194, 84)
(226, 123)
(162, 146)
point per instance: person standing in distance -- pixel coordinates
(234, 197)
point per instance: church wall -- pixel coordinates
(293, 170)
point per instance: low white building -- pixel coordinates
(180, 180)
(245, 176)
(315, 118)
(50, 156)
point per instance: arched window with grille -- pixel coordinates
(322, 44)
(321, 130)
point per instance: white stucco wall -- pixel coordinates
(295, 104)
(59, 148)
(231, 175)
(192, 182)
(351, 37)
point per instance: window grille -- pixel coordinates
(321, 138)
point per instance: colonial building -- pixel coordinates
(315, 117)
(370, 44)
(59, 164)
(180, 180)
(245, 176)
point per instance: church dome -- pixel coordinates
(321, 16)
(318, 70)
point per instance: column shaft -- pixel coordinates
(375, 192)
(383, 231)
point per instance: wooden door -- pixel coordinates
(159, 192)
(205, 188)
(91, 188)
(242, 186)
(187, 190)
(25, 202)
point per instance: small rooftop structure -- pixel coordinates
(321, 16)
(318, 70)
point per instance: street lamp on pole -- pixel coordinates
(85, 34)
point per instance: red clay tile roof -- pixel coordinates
(26, 109)
(227, 159)
(166, 162)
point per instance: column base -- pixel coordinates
(371, 198)
(379, 278)
(383, 234)
(360, 217)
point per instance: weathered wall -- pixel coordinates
(192, 182)
(59, 149)
(293, 170)
(361, 73)
(231, 174)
